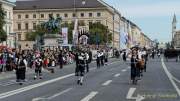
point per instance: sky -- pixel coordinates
(154, 17)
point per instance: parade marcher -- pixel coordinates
(133, 67)
(159, 54)
(38, 68)
(106, 57)
(81, 66)
(98, 58)
(124, 56)
(21, 69)
(87, 61)
(60, 56)
(102, 58)
(77, 62)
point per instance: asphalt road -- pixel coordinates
(109, 83)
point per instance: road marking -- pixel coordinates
(52, 97)
(124, 70)
(90, 96)
(107, 83)
(175, 79)
(58, 94)
(27, 88)
(129, 67)
(130, 95)
(170, 76)
(117, 75)
(17, 91)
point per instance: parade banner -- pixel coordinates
(65, 35)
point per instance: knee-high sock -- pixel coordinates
(81, 79)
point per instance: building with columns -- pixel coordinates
(27, 14)
(8, 27)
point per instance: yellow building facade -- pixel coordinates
(27, 17)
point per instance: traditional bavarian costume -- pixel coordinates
(81, 68)
(38, 68)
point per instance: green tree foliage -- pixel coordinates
(3, 35)
(99, 33)
(39, 31)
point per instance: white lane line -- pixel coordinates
(90, 96)
(107, 83)
(129, 67)
(130, 94)
(124, 70)
(20, 90)
(117, 75)
(51, 97)
(170, 76)
(58, 94)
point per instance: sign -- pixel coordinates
(64, 35)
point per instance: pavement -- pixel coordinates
(109, 83)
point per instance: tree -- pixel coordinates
(39, 31)
(99, 33)
(3, 34)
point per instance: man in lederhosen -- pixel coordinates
(81, 67)
(87, 61)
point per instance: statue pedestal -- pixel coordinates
(52, 40)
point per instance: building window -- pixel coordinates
(9, 15)
(42, 15)
(19, 36)
(19, 26)
(26, 16)
(65, 15)
(90, 14)
(57, 15)
(19, 16)
(50, 15)
(82, 14)
(34, 26)
(73, 15)
(81, 23)
(5, 13)
(34, 15)
(90, 22)
(9, 29)
(98, 14)
(26, 26)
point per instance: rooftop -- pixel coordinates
(56, 4)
